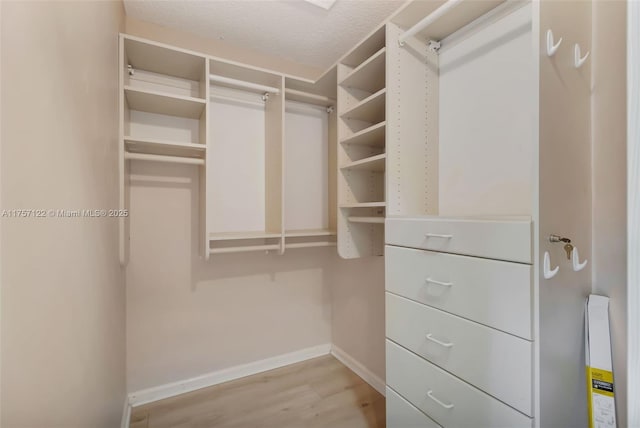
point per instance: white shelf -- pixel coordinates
(161, 147)
(373, 136)
(373, 163)
(364, 205)
(310, 244)
(308, 233)
(230, 236)
(164, 103)
(163, 59)
(371, 109)
(227, 250)
(372, 220)
(366, 49)
(368, 76)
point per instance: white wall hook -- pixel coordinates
(575, 260)
(578, 59)
(551, 47)
(546, 267)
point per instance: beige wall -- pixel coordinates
(609, 177)
(187, 317)
(218, 48)
(63, 302)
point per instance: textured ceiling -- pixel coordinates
(291, 29)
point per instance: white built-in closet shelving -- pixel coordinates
(243, 127)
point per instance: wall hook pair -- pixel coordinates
(553, 46)
(577, 266)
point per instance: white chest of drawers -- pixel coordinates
(459, 322)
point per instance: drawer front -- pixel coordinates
(449, 401)
(494, 293)
(495, 362)
(501, 240)
(401, 414)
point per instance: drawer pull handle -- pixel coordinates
(437, 235)
(434, 340)
(446, 406)
(440, 283)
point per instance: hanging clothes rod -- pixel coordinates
(428, 20)
(243, 84)
(309, 96)
(162, 158)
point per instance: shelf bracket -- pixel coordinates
(130, 70)
(331, 109)
(265, 97)
(434, 46)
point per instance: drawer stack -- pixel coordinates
(459, 322)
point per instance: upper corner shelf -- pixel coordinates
(164, 103)
(373, 136)
(366, 49)
(373, 163)
(157, 58)
(371, 109)
(368, 76)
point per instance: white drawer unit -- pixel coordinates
(446, 399)
(402, 414)
(459, 319)
(457, 284)
(498, 363)
(494, 239)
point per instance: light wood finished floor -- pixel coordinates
(316, 393)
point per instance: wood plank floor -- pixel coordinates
(316, 393)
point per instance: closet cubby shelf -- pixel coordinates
(373, 136)
(370, 220)
(162, 147)
(163, 103)
(373, 163)
(229, 236)
(371, 109)
(309, 232)
(364, 205)
(368, 76)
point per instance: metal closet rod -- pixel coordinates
(428, 20)
(242, 84)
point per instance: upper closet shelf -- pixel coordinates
(371, 109)
(163, 59)
(373, 163)
(368, 76)
(164, 103)
(161, 147)
(373, 136)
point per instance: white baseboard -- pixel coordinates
(176, 388)
(126, 413)
(356, 367)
